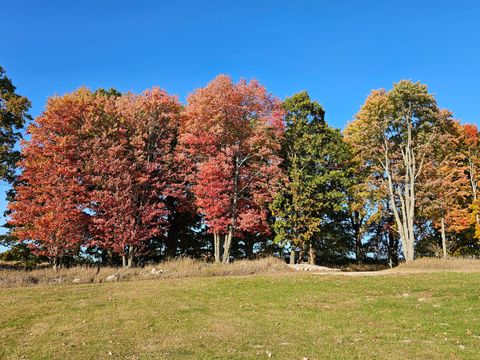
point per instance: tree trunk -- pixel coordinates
(405, 215)
(473, 183)
(249, 243)
(174, 219)
(358, 248)
(358, 251)
(356, 222)
(171, 246)
(227, 245)
(301, 255)
(131, 250)
(312, 254)
(56, 263)
(124, 261)
(444, 240)
(292, 256)
(109, 257)
(229, 237)
(216, 245)
(392, 245)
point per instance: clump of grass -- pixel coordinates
(177, 268)
(436, 263)
(186, 267)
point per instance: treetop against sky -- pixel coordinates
(336, 51)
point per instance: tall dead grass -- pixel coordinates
(436, 263)
(178, 268)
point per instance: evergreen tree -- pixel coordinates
(13, 115)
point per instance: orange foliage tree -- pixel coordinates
(47, 211)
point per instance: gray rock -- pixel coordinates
(114, 277)
(308, 267)
(156, 272)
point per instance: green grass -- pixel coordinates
(418, 316)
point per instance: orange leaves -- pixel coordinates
(95, 171)
(471, 134)
(48, 207)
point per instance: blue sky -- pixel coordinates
(337, 50)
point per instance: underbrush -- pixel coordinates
(364, 267)
(178, 268)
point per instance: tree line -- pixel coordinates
(236, 173)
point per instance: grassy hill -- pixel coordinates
(282, 316)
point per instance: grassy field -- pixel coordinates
(288, 316)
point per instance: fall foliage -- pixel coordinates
(130, 169)
(48, 209)
(129, 178)
(231, 135)
(393, 132)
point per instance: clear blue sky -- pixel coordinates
(337, 50)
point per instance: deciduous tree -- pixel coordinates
(13, 115)
(131, 171)
(392, 132)
(231, 137)
(317, 175)
(443, 192)
(48, 211)
(471, 151)
(364, 203)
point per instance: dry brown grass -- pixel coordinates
(178, 268)
(364, 267)
(440, 264)
(186, 267)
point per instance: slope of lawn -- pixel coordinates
(290, 316)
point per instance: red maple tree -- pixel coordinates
(48, 211)
(230, 136)
(130, 170)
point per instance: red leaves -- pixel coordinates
(471, 135)
(97, 163)
(230, 134)
(101, 167)
(48, 207)
(213, 191)
(131, 169)
(108, 170)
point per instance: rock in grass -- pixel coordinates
(114, 277)
(308, 267)
(76, 281)
(156, 272)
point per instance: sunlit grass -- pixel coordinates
(289, 316)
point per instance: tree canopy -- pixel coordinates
(124, 178)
